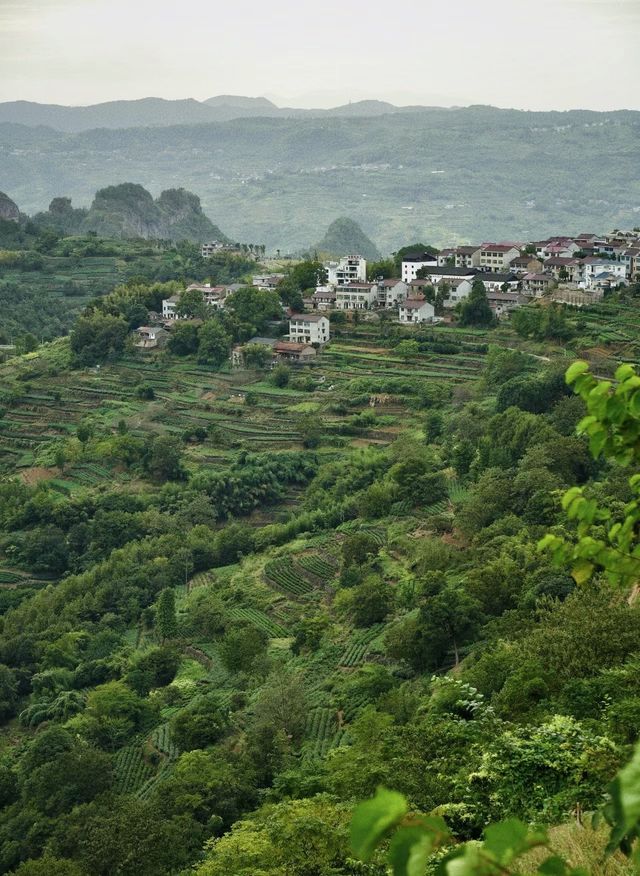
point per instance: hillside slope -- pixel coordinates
(441, 176)
(345, 236)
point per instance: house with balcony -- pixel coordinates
(537, 284)
(150, 337)
(309, 328)
(356, 296)
(323, 299)
(592, 266)
(348, 269)
(391, 292)
(563, 269)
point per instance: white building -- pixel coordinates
(412, 262)
(494, 281)
(391, 292)
(349, 269)
(212, 296)
(593, 266)
(356, 296)
(434, 275)
(458, 291)
(460, 257)
(169, 306)
(414, 310)
(309, 328)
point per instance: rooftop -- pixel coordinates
(308, 317)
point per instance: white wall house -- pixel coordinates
(391, 292)
(434, 275)
(348, 269)
(494, 281)
(414, 310)
(309, 328)
(169, 306)
(593, 266)
(356, 296)
(412, 263)
(458, 291)
(212, 296)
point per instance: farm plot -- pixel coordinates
(259, 620)
(358, 648)
(283, 574)
(322, 731)
(131, 770)
(161, 740)
(317, 566)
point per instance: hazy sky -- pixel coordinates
(531, 54)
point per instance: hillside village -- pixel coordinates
(574, 270)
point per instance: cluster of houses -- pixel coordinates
(575, 270)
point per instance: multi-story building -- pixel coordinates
(391, 292)
(412, 262)
(309, 328)
(498, 256)
(213, 296)
(593, 266)
(537, 284)
(356, 296)
(563, 269)
(348, 269)
(323, 299)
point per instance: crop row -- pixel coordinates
(319, 567)
(131, 770)
(161, 739)
(354, 654)
(283, 573)
(259, 620)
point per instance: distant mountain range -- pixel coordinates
(157, 112)
(438, 175)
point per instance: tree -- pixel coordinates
(183, 340)
(166, 619)
(310, 429)
(97, 336)
(280, 375)
(242, 647)
(407, 349)
(201, 724)
(358, 548)
(164, 458)
(191, 304)
(8, 692)
(257, 355)
(214, 343)
(253, 306)
(475, 310)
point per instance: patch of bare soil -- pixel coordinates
(31, 476)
